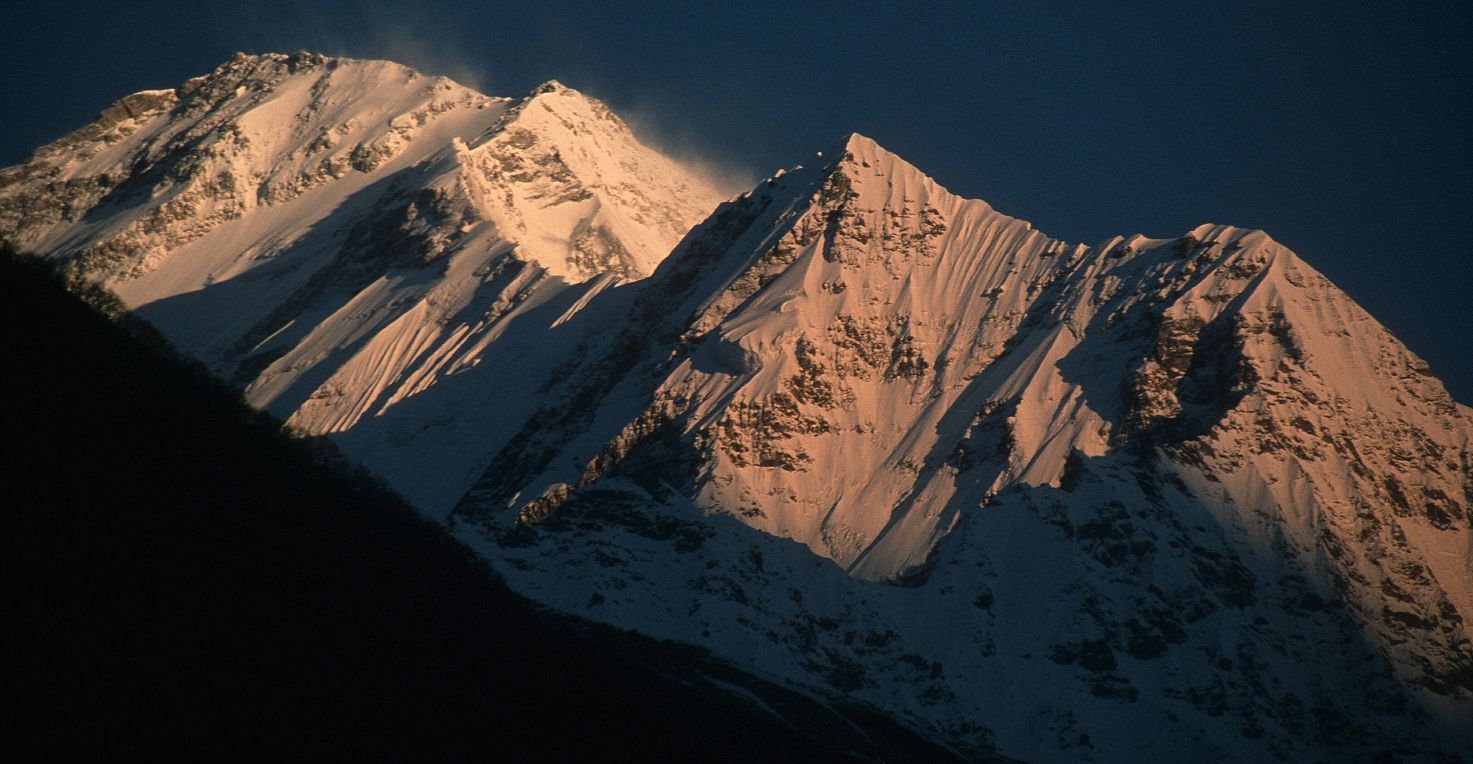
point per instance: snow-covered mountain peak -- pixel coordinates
(551, 86)
(568, 180)
(886, 178)
(863, 151)
(850, 298)
(303, 204)
(1055, 438)
(159, 172)
(556, 98)
(555, 172)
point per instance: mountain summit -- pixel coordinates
(1146, 498)
(337, 234)
(265, 139)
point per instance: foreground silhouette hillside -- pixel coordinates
(192, 582)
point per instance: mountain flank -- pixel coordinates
(193, 583)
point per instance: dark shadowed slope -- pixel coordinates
(190, 582)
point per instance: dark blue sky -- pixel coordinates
(1340, 128)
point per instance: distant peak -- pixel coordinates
(856, 142)
(304, 57)
(299, 58)
(551, 86)
(857, 148)
(562, 92)
(861, 151)
(265, 67)
(554, 96)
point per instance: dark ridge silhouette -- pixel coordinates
(189, 582)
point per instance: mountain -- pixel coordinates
(1148, 498)
(1151, 496)
(338, 235)
(196, 585)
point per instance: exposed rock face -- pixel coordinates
(1151, 498)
